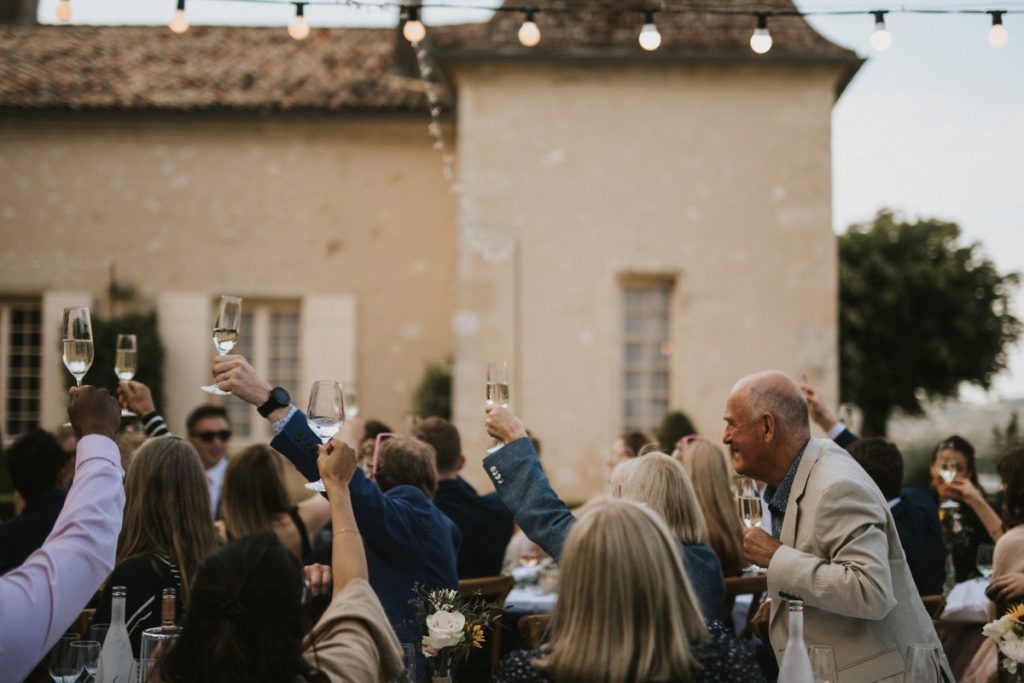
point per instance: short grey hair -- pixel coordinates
(789, 409)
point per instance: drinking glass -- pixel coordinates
(126, 362)
(748, 500)
(156, 643)
(78, 350)
(225, 333)
(497, 384)
(325, 415)
(922, 665)
(89, 654)
(823, 663)
(948, 469)
(351, 399)
(98, 633)
(984, 559)
(65, 663)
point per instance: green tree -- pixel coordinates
(433, 397)
(150, 354)
(1003, 439)
(919, 315)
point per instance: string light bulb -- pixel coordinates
(64, 10)
(299, 28)
(998, 37)
(414, 30)
(179, 22)
(881, 39)
(529, 34)
(650, 38)
(761, 40)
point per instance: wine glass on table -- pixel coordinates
(922, 664)
(225, 333)
(823, 663)
(78, 349)
(66, 663)
(325, 415)
(748, 500)
(89, 653)
(984, 559)
(126, 362)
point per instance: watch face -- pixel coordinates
(280, 396)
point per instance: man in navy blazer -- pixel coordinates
(408, 540)
(916, 517)
(486, 524)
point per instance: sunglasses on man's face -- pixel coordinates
(208, 437)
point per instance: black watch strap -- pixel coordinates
(279, 398)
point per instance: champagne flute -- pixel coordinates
(984, 559)
(351, 399)
(948, 469)
(126, 362)
(325, 415)
(748, 499)
(78, 350)
(497, 384)
(823, 663)
(225, 333)
(66, 664)
(922, 665)
(89, 654)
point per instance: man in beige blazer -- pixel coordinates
(834, 542)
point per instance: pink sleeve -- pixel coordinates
(40, 599)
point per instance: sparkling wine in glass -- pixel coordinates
(126, 361)
(351, 399)
(225, 333)
(497, 384)
(78, 350)
(748, 500)
(325, 415)
(66, 663)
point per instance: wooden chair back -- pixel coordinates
(494, 589)
(532, 628)
(934, 605)
(755, 586)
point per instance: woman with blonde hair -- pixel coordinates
(626, 612)
(166, 533)
(655, 479)
(711, 474)
(254, 499)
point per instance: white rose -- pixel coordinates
(1013, 648)
(445, 629)
(997, 628)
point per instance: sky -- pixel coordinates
(932, 127)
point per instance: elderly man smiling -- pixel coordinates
(833, 542)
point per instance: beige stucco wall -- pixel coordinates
(575, 177)
(318, 211)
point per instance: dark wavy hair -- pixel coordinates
(964, 448)
(1011, 469)
(245, 618)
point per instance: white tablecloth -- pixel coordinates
(967, 604)
(530, 599)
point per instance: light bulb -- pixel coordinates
(64, 10)
(299, 28)
(650, 38)
(529, 34)
(761, 40)
(414, 30)
(179, 22)
(998, 37)
(881, 39)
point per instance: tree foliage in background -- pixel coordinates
(674, 426)
(150, 353)
(1003, 439)
(433, 397)
(919, 314)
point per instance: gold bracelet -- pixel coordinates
(346, 531)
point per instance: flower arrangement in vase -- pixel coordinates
(455, 626)
(1008, 633)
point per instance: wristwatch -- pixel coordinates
(279, 398)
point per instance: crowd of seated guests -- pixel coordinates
(641, 593)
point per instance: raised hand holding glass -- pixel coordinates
(225, 333)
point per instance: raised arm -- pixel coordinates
(522, 485)
(337, 463)
(43, 596)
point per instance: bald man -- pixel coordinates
(833, 543)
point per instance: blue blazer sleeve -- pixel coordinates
(526, 491)
(298, 443)
(845, 438)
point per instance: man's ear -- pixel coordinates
(462, 463)
(769, 428)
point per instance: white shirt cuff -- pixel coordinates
(278, 426)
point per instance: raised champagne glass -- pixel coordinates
(126, 362)
(78, 349)
(948, 469)
(748, 500)
(497, 384)
(225, 333)
(325, 415)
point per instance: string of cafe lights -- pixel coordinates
(649, 37)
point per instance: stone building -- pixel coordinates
(632, 231)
